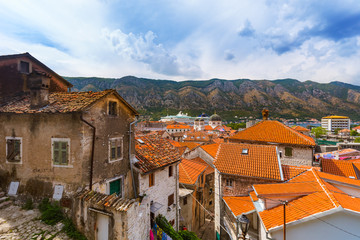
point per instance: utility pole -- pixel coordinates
(284, 228)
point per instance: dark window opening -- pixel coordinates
(112, 108)
(13, 150)
(170, 200)
(185, 200)
(24, 67)
(151, 179)
(170, 171)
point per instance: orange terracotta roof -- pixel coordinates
(239, 205)
(178, 126)
(199, 136)
(267, 190)
(345, 130)
(296, 209)
(268, 131)
(211, 149)
(356, 128)
(208, 128)
(261, 161)
(336, 117)
(190, 145)
(339, 167)
(189, 171)
(154, 153)
(300, 129)
(290, 172)
(174, 143)
(209, 169)
(319, 195)
(58, 102)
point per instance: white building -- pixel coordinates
(180, 117)
(157, 164)
(330, 123)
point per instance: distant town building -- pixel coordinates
(330, 123)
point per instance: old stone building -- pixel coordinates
(157, 163)
(70, 140)
(294, 148)
(15, 71)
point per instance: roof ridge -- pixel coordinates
(296, 132)
(327, 191)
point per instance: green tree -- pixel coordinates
(357, 140)
(236, 126)
(336, 131)
(318, 131)
(354, 133)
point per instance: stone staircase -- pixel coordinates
(4, 200)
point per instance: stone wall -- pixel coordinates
(300, 156)
(163, 187)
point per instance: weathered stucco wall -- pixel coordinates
(36, 172)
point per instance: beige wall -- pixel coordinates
(301, 156)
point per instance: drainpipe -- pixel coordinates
(92, 150)
(131, 164)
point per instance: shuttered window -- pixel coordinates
(151, 179)
(13, 147)
(170, 200)
(60, 153)
(115, 149)
(288, 152)
(116, 187)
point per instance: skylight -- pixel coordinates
(245, 151)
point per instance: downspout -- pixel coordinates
(177, 195)
(92, 151)
(131, 164)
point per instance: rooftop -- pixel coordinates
(260, 161)
(239, 205)
(190, 170)
(268, 131)
(155, 152)
(336, 117)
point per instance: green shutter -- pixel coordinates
(60, 153)
(115, 187)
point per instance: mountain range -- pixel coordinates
(287, 98)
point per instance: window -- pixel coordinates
(24, 67)
(116, 187)
(151, 179)
(288, 152)
(210, 203)
(210, 191)
(170, 200)
(202, 178)
(229, 182)
(112, 108)
(13, 149)
(245, 151)
(170, 171)
(60, 151)
(185, 200)
(280, 154)
(115, 149)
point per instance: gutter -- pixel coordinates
(131, 164)
(92, 151)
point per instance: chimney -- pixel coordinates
(39, 84)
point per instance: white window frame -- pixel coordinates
(21, 150)
(69, 165)
(112, 180)
(122, 149)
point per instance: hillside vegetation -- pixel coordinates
(243, 97)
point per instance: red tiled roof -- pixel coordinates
(208, 128)
(356, 128)
(178, 127)
(154, 153)
(239, 205)
(292, 171)
(60, 102)
(300, 129)
(261, 161)
(211, 149)
(319, 195)
(269, 131)
(190, 145)
(339, 167)
(189, 171)
(209, 169)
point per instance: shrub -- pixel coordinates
(163, 223)
(50, 213)
(70, 229)
(28, 204)
(187, 235)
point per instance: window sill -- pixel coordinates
(115, 160)
(63, 166)
(19, 163)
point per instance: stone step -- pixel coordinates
(2, 194)
(3, 199)
(5, 204)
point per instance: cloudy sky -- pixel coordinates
(189, 39)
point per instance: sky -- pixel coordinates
(316, 40)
